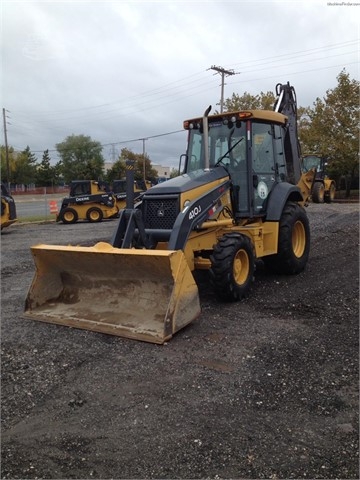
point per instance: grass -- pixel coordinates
(38, 218)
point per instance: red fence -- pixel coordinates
(38, 190)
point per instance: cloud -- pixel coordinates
(126, 70)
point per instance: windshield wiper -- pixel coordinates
(229, 151)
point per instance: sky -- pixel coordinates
(128, 73)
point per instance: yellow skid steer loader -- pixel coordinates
(240, 198)
(88, 200)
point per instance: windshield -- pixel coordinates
(312, 161)
(227, 145)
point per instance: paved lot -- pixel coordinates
(265, 388)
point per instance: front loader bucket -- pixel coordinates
(141, 294)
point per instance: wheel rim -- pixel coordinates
(69, 217)
(94, 216)
(241, 267)
(298, 239)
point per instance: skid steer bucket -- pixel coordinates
(140, 294)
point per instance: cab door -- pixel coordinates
(263, 164)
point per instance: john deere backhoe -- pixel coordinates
(240, 198)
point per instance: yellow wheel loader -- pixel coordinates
(8, 208)
(324, 187)
(240, 198)
(88, 200)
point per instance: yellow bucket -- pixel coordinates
(141, 294)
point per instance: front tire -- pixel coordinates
(69, 215)
(294, 242)
(318, 192)
(232, 267)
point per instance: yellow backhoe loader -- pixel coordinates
(8, 208)
(240, 198)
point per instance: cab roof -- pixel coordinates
(267, 115)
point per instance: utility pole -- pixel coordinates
(224, 73)
(144, 173)
(6, 150)
(113, 152)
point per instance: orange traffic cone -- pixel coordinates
(53, 207)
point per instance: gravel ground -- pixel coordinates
(265, 388)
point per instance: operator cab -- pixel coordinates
(317, 162)
(250, 146)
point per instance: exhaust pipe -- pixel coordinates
(206, 137)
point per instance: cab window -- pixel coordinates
(263, 163)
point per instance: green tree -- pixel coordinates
(25, 168)
(263, 101)
(118, 169)
(58, 176)
(7, 167)
(81, 158)
(174, 172)
(331, 128)
(45, 173)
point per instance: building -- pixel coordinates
(162, 171)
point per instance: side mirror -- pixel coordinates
(183, 163)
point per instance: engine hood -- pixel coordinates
(187, 181)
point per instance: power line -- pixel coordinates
(185, 81)
(170, 93)
(231, 83)
(121, 142)
(265, 66)
(301, 53)
(296, 73)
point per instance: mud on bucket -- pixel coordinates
(141, 294)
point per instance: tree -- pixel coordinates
(45, 173)
(174, 172)
(58, 176)
(81, 158)
(12, 155)
(263, 101)
(118, 169)
(24, 168)
(331, 128)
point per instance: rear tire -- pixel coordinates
(69, 215)
(318, 192)
(94, 215)
(294, 242)
(232, 267)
